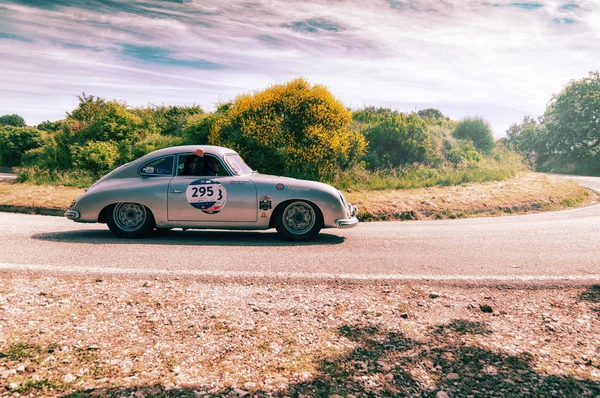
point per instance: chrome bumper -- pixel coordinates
(348, 222)
(72, 214)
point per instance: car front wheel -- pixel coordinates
(298, 221)
(129, 220)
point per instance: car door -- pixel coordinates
(212, 199)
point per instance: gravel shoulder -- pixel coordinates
(78, 336)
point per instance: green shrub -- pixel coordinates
(93, 122)
(499, 165)
(68, 178)
(97, 157)
(197, 131)
(154, 142)
(116, 124)
(43, 156)
(397, 140)
(16, 140)
(461, 151)
(478, 131)
(170, 120)
(51, 127)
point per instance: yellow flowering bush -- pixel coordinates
(293, 129)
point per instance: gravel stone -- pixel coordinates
(7, 373)
(486, 308)
(69, 378)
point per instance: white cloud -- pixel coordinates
(463, 57)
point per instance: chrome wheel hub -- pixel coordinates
(130, 216)
(299, 218)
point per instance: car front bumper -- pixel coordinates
(72, 214)
(348, 222)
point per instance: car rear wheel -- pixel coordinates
(298, 221)
(129, 220)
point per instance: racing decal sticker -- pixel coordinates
(209, 196)
(298, 188)
(279, 187)
(264, 203)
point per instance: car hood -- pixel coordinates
(291, 183)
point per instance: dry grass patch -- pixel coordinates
(528, 192)
(36, 196)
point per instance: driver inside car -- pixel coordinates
(199, 165)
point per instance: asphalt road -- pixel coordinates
(538, 247)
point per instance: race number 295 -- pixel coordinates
(206, 192)
(208, 196)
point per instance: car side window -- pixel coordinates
(158, 167)
(211, 166)
(220, 171)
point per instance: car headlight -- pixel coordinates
(73, 203)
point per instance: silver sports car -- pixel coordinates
(196, 187)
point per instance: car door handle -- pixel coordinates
(176, 191)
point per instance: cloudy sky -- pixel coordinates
(499, 60)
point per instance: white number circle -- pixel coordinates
(207, 195)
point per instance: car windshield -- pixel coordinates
(237, 165)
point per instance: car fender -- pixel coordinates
(279, 190)
(150, 192)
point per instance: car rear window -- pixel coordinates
(158, 167)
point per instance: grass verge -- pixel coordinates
(500, 166)
(528, 192)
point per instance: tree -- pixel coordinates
(478, 131)
(293, 129)
(12, 120)
(572, 119)
(89, 109)
(527, 136)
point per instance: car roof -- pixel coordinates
(212, 149)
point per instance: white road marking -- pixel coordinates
(289, 275)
